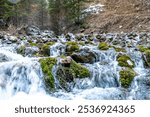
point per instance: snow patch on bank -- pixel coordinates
(94, 9)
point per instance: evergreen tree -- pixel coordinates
(43, 14)
(6, 9)
(75, 10)
(65, 12)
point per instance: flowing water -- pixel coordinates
(23, 76)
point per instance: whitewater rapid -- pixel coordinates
(22, 76)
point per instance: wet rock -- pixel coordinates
(77, 69)
(132, 35)
(13, 39)
(70, 37)
(126, 77)
(66, 61)
(146, 56)
(85, 56)
(79, 37)
(32, 30)
(47, 65)
(21, 50)
(115, 42)
(72, 47)
(3, 58)
(48, 34)
(68, 70)
(125, 61)
(101, 38)
(103, 46)
(45, 48)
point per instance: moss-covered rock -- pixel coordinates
(21, 50)
(84, 56)
(45, 49)
(82, 43)
(47, 65)
(33, 44)
(103, 46)
(142, 48)
(68, 70)
(147, 57)
(79, 70)
(30, 41)
(125, 61)
(72, 47)
(65, 76)
(126, 77)
(118, 49)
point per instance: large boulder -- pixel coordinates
(84, 56)
(68, 70)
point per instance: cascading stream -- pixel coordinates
(20, 74)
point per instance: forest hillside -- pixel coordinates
(63, 16)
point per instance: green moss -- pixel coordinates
(23, 38)
(45, 49)
(30, 41)
(33, 44)
(126, 77)
(21, 50)
(72, 46)
(82, 43)
(65, 75)
(50, 43)
(142, 48)
(117, 49)
(47, 65)
(76, 69)
(147, 57)
(123, 61)
(79, 70)
(68, 70)
(147, 51)
(103, 46)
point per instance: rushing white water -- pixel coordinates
(22, 76)
(57, 49)
(19, 74)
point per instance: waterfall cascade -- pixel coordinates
(24, 74)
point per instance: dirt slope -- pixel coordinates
(120, 16)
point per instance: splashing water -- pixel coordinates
(21, 76)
